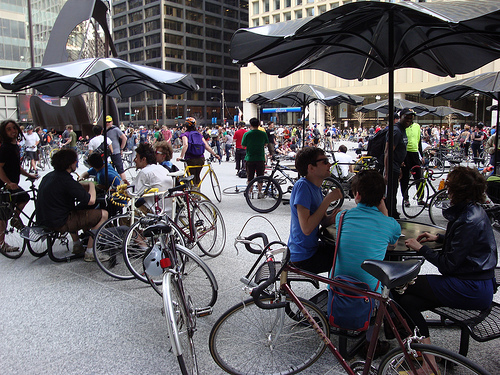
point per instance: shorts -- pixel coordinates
(270, 148)
(117, 162)
(80, 219)
(255, 167)
(31, 155)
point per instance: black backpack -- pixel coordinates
(376, 147)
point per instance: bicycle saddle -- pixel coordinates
(392, 274)
(157, 229)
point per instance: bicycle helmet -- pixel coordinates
(191, 120)
(151, 262)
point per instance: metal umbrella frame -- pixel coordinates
(487, 84)
(364, 40)
(107, 76)
(303, 95)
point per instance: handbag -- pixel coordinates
(348, 310)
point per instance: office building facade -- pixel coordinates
(187, 36)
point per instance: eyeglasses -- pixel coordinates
(160, 153)
(324, 160)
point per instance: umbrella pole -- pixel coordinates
(103, 90)
(496, 141)
(304, 127)
(390, 144)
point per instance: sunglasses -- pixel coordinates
(160, 153)
(324, 160)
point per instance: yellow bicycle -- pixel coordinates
(208, 171)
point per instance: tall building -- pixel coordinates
(408, 82)
(187, 36)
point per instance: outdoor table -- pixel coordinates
(409, 229)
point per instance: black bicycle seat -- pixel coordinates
(392, 274)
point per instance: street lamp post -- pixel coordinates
(475, 114)
(221, 104)
(377, 98)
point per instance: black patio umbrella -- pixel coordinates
(303, 95)
(487, 84)
(399, 104)
(367, 39)
(107, 76)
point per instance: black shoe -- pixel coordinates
(381, 349)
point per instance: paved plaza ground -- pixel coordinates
(71, 318)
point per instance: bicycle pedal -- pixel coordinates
(201, 312)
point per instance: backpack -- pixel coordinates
(196, 147)
(376, 147)
(242, 173)
(100, 149)
(160, 137)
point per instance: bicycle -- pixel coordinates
(13, 235)
(235, 189)
(162, 241)
(213, 178)
(180, 291)
(264, 193)
(198, 222)
(418, 193)
(280, 323)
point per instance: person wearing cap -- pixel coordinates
(31, 143)
(399, 151)
(191, 159)
(118, 143)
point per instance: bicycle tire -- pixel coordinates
(268, 199)
(210, 229)
(448, 362)
(235, 189)
(179, 324)
(439, 202)
(437, 166)
(252, 327)
(328, 185)
(58, 249)
(215, 185)
(39, 248)
(108, 241)
(13, 238)
(418, 195)
(135, 246)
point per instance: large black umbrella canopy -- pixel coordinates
(399, 104)
(303, 95)
(443, 111)
(106, 76)
(366, 39)
(487, 84)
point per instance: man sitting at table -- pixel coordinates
(366, 232)
(308, 208)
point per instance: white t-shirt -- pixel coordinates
(97, 141)
(344, 168)
(155, 176)
(31, 140)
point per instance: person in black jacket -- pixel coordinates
(467, 260)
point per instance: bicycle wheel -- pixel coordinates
(60, 248)
(268, 341)
(263, 194)
(215, 186)
(447, 361)
(180, 324)
(328, 185)
(235, 189)
(14, 239)
(108, 243)
(417, 193)
(439, 202)
(210, 229)
(39, 248)
(437, 166)
(135, 246)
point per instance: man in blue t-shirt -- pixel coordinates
(97, 170)
(308, 208)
